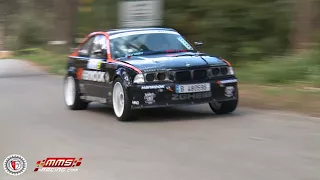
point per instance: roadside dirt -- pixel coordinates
(296, 99)
(5, 54)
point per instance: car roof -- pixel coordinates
(117, 31)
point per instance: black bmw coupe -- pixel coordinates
(130, 69)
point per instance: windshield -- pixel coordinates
(151, 43)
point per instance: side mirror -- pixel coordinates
(100, 52)
(71, 50)
(197, 44)
(97, 52)
(84, 53)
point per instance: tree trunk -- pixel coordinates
(7, 7)
(73, 21)
(65, 13)
(303, 24)
(2, 23)
(2, 38)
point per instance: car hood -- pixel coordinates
(169, 62)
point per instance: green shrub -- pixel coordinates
(27, 26)
(289, 69)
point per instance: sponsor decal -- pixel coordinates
(185, 43)
(53, 164)
(15, 165)
(155, 70)
(99, 65)
(141, 32)
(107, 77)
(134, 54)
(96, 76)
(126, 78)
(94, 99)
(191, 96)
(153, 87)
(229, 91)
(94, 64)
(149, 98)
(135, 102)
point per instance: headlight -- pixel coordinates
(230, 71)
(138, 79)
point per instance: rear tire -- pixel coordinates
(225, 107)
(72, 94)
(120, 101)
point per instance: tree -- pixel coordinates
(3, 7)
(64, 20)
(303, 24)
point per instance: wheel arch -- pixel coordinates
(127, 76)
(72, 71)
(71, 68)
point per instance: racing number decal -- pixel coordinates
(94, 64)
(99, 64)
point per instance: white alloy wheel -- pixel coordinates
(70, 91)
(118, 99)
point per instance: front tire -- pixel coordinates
(72, 95)
(225, 107)
(120, 101)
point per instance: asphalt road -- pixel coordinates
(186, 143)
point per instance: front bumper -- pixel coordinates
(164, 94)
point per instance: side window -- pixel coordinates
(85, 50)
(100, 46)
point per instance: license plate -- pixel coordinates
(191, 88)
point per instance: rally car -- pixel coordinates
(131, 69)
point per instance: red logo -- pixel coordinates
(52, 162)
(15, 165)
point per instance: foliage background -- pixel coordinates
(234, 29)
(266, 38)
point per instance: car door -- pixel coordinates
(95, 74)
(81, 62)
